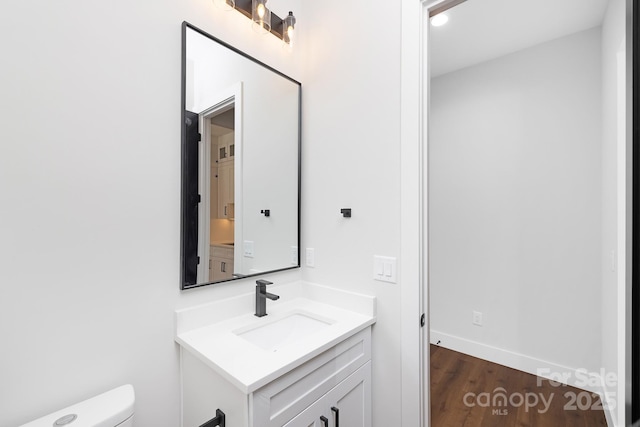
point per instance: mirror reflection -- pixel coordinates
(240, 201)
(526, 130)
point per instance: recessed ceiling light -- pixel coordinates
(439, 20)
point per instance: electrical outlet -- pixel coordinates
(477, 318)
(310, 257)
(248, 248)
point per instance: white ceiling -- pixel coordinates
(480, 30)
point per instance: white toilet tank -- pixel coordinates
(111, 409)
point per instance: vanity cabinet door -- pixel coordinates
(221, 269)
(348, 404)
(221, 264)
(350, 401)
(310, 417)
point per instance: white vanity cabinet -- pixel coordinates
(328, 390)
(221, 262)
(348, 403)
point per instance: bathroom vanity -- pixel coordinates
(307, 363)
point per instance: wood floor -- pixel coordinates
(470, 392)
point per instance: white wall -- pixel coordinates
(351, 159)
(90, 184)
(90, 192)
(515, 203)
(613, 143)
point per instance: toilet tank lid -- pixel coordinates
(105, 410)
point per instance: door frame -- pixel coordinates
(414, 126)
(414, 247)
(231, 97)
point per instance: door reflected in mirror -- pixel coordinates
(219, 209)
(240, 165)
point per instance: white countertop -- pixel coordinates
(210, 331)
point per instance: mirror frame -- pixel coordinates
(186, 215)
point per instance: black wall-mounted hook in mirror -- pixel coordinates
(266, 212)
(346, 212)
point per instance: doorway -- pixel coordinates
(527, 187)
(216, 181)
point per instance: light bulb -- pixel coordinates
(288, 25)
(261, 16)
(439, 20)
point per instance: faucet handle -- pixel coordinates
(263, 282)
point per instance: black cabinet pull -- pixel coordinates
(336, 412)
(324, 420)
(218, 421)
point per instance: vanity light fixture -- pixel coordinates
(262, 19)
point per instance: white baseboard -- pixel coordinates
(610, 406)
(531, 365)
(579, 378)
(608, 415)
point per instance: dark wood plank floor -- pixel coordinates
(471, 392)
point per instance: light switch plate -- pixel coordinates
(384, 268)
(294, 255)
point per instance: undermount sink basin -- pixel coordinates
(278, 333)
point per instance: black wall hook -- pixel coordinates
(266, 212)
(346, 212)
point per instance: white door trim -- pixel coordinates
(415, 396)
(413, 208)
(413, 268)
(230, 96)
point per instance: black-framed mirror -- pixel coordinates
(240, 164)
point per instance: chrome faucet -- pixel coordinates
(261, 297)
